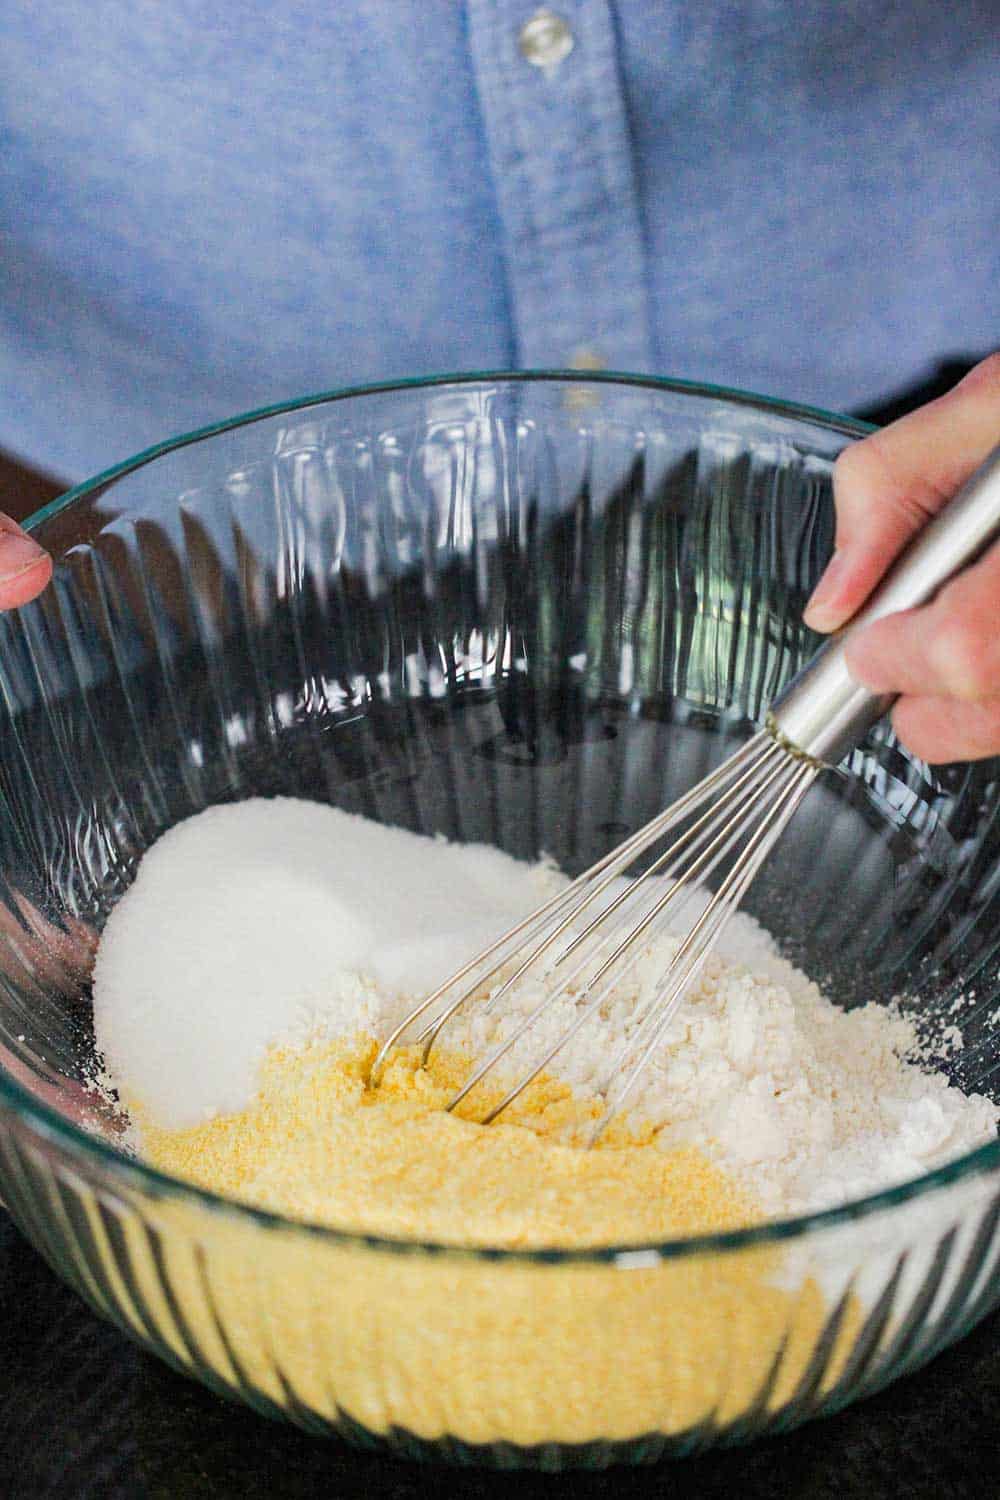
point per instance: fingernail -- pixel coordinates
(822, 611)
(18, 553)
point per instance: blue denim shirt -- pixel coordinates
(209, 207)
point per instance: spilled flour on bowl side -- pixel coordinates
(271, 936)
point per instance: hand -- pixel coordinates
(944, 658)
(24, 568)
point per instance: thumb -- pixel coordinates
(889, 485)
(25, 568)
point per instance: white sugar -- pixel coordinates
(266, 920)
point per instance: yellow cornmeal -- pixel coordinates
(317, 1144)
(452, 1344)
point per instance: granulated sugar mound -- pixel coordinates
(277, 921)
(271, 919)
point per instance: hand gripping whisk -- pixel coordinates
(586, 939)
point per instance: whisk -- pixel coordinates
(585, 941)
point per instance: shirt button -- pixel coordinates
(581, 397)
(545, 39)
(586, 358)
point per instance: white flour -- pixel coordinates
(276, 920)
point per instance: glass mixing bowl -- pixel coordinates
(526, 610)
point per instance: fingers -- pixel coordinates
(940, 730)
(948, 649)
(943, 661)
(887, 487)
(25, 568)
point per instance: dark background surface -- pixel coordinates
(85, 1415)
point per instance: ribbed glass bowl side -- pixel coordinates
(529, 613)
(507, 1361)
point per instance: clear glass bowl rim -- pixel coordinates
(47, 1123)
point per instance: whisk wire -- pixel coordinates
(718, 846)
(767, 794)
(650, 834)
(672, 853)
(698, 943)
(697, 835)
(609, 866)
(593, 945)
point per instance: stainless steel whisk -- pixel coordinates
(588, 937)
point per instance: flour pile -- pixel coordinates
(277, 922)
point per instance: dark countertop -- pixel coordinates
(84, 1415)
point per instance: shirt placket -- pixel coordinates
(561, 157)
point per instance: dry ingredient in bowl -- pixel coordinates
(316, 1144)
(260, 928)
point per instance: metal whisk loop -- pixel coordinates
(628, 853)
(754, 793)
(607, 931)
(574, 898)
(712, 846)
(675, 849)
(700, 940)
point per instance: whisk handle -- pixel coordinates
(823, 712)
